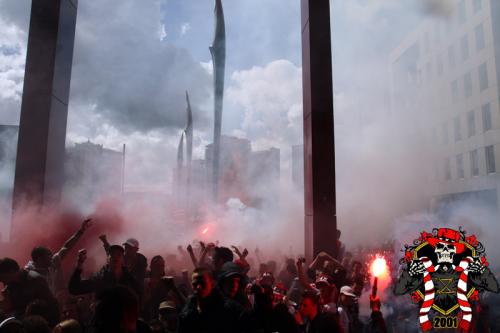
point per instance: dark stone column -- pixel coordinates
(44, 109)
(319, 153)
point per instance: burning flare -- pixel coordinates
(379, 266)
(204, 232)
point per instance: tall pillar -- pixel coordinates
(319, 153)
(42, 129)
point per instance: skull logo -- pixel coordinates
(445, 252)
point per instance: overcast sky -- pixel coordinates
(134, 60)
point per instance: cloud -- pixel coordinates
(185, 28)
(271, 100)
(135, 81)
(12, 58)
(122, 66)
(162, 33)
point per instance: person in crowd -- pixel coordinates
(68, 326)
(231, 282)
(12, 325)
(327, 293)
(288, 273)
(22, 288)
(376, 324)
(204, 310)
(221, 255)
(168, 316)
(48, 265)
(112, 274)
(36, 324)
(135, 262)
(312, 320)
(155, 290)
(117, 311)
(349, 320)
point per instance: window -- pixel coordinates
(457, 132)
(486, 113)
(474, 162)
(479, 32)
(434, 135)
(460, 166)
(464, 46)
(490, 159)
(445, 132)
(454, 91)
(483, 77)
(428, 70)
(467, 85)
(447, 169)
(471, 123)
(440, 66)
(451, 55)
(461, 12)
(477, 5)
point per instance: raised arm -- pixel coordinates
(192, 255)
(77, 286)
(71, 242)
(105, 242)
(301, 275)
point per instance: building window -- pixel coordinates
(479, 32)
(457, 132)
(454, 91)
(428, 70)
(486, 113)
(460, 166)
(474, 162)
(464, 46)
(477, 5)
(467, 85)
(471, 123)
(444, 129)
(483, 77)
(447, 169)
(451, 55)
(440, 66)
(434, 135)
(490, 159)
(461, 12)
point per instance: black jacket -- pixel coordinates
(100, 281)
(217, 315)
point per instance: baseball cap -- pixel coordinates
(167, 305)
(348, 291)
(132, 242)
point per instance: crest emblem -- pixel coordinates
(444, 271)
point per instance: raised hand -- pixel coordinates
(86, 224)
(416, 268)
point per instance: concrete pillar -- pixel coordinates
(39, 170)
(319, 153)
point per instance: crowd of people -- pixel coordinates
(206, 288)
